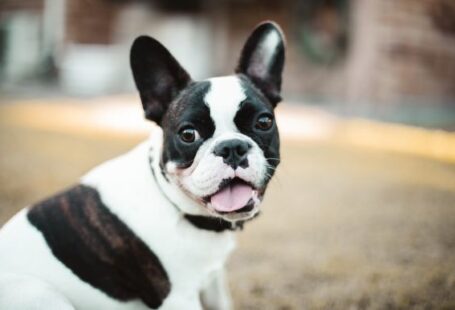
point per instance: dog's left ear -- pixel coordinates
(262, 60)
(158, 76)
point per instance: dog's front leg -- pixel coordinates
(215, 294)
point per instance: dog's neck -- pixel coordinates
(189, 209)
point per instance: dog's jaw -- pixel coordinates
(168, 179)
(181, 200)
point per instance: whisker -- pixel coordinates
(271, 167)
(273, 159)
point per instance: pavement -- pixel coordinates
(361, 214)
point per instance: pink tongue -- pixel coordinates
(232, 197)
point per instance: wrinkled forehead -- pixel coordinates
(223, 100)
(215, 103)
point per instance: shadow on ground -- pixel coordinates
(341, 228)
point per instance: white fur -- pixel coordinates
(223, 100)
(216, 293)
(29, 293)
(208, 171)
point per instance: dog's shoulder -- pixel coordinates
(98, 247)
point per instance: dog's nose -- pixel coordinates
(234, 152)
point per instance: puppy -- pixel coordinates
(153, 228)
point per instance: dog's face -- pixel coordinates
(221, 145)
(220, 139)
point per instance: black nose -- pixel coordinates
(234, 152)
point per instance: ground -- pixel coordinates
(342, 227)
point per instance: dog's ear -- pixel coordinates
(158, 76)
(262, 60)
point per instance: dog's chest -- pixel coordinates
(187, 254)
(195, 256)
(128, 188)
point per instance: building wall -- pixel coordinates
(91, 22)
(401, 53)
(400, 50)
(17, 5)
(416, 57)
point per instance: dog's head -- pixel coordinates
(220, 139)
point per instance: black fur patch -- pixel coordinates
(265, 74)
(99, 248)
(215, 224)
(189, 109)
(158, 76)
(255, 105)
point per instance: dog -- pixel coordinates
(152, 229)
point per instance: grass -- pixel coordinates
(341, 228)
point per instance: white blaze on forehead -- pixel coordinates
(223, 100)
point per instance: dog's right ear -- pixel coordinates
(158, 76)
(262, 59)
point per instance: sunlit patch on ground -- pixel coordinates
(355, 219)
(120, 115)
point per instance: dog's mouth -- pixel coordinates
(233, 196)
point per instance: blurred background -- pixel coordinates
(361, 214)
(391, 59)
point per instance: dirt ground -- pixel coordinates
(341, 227)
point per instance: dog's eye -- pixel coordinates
(264, 122)
(189, 135)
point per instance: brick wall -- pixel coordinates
(410, 50)
(417, 57)
(91, 22)
(400, 50)
(16, 5)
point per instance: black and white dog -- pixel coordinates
(154, 227)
